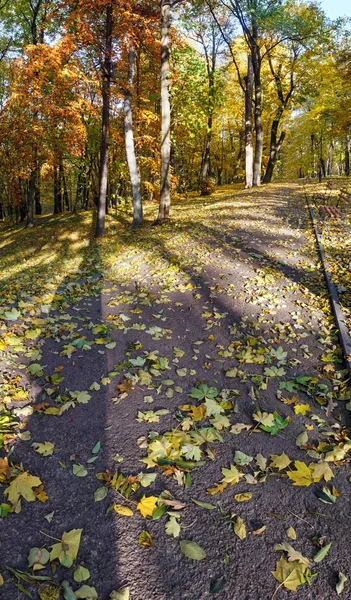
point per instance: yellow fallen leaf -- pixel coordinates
(302, 476)
(290, 575)
(321, 471)
(302, 409)
(240, 528)
(66, 550)
(22, 486)
(218, 488)
(147, 506)
(123, 510)
(280, 461)
(291, 533)
(243, 497)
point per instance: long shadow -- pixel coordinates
(63, 334)
(109, 546)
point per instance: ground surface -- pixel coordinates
(219, 320)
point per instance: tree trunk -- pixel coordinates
(207, 155)
(38, 207)
(275, 146)
(248, 125)
(106, 87)
(347, 156)
(31, 198)
(165, 179)
(64, 186)
(256, 63)
(130, 146)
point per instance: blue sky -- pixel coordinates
(336, 8)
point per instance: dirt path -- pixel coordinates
(230, 295)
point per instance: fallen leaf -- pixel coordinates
(22, 486)
(81, 574)
(192, 550)
(243, 497)
(322, 553)
(289, 574)
(125, 511)
(147, 505)
(240, 528)
(341, 583)
(145, 539)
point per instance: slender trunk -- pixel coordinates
(275, 146)
(106, 87)
(347, 156)
(165, 179)
(207, 155)
(31, 198)
(38, 207)
(64, 185)
(256, 63)
(248, 125)
(130, 146)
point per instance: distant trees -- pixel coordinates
(103, 103)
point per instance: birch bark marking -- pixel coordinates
(129, 141)
(165, 179)
(248, 125)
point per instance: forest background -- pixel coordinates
(91, 116)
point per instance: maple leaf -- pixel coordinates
(321, 471)
(293, 555)
(264, 418)
(147, 506)
(279, 461)
(67, 549)
(302, 409)
(22, 486)
(218, 488)
(290, 575)
(45, 449)
(231, 475)
(303, 475)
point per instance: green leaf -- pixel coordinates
(81, 574)
(87, 592)
(217, 586)
(192, 550)
(172, 527)
(68, 593)
(242, 459)
(96, 448)
(79, 470)
(341, 583)
(38, 556)
(121, 594)
(322, 553)
(204, 504)
(100, 494)
(302, 439)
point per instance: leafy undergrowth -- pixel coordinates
(336, 238)
(173, 407)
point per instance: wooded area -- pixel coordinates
(175, 300)
(245, 90)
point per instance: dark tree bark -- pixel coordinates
(275, 143)
(31, 198)
(38, 207)
(106, 89)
